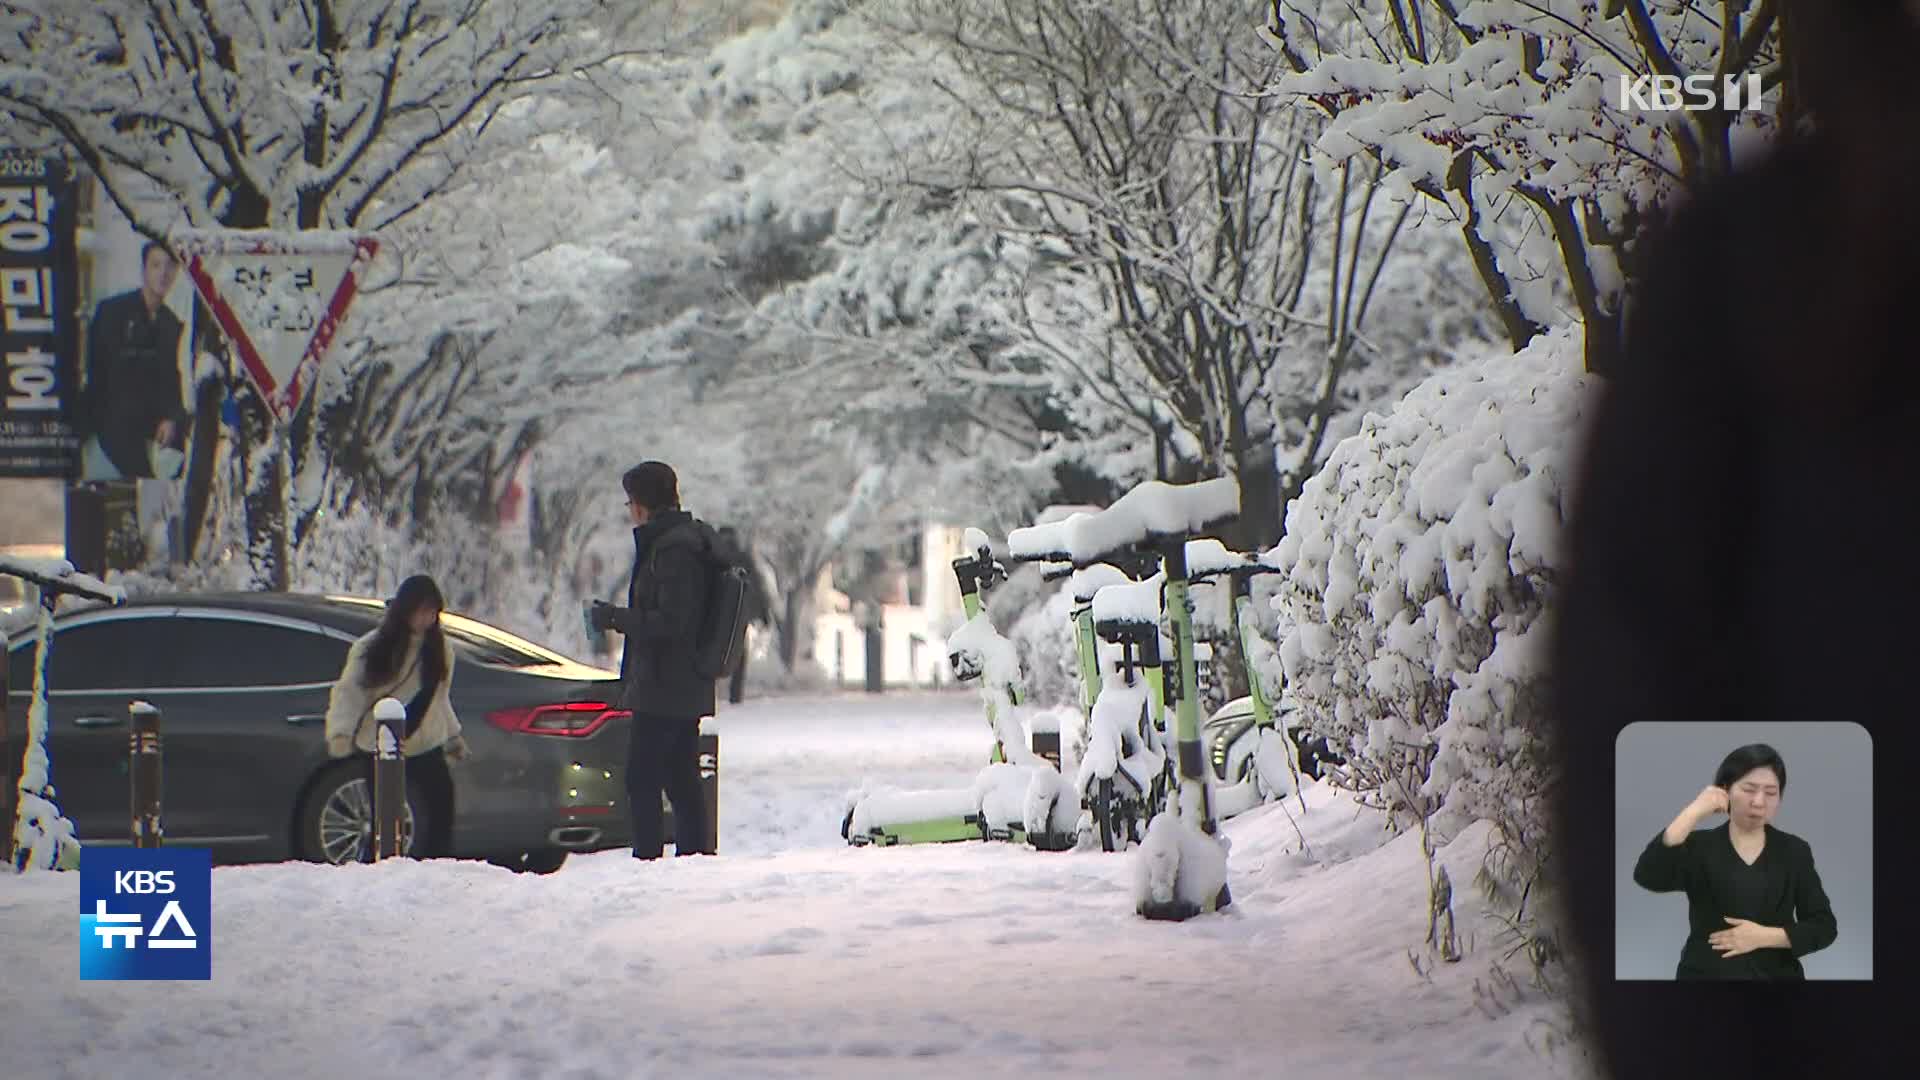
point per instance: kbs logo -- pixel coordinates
(140, 882)
(1694, 93)
(146, 914)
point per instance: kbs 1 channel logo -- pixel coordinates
(146, 914)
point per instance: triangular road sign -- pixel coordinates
(279, 299)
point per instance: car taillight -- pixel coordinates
(573, 719)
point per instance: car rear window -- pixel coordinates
(482, 642)
(492, 645)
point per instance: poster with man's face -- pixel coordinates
(132, 418)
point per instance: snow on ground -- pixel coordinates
(787, 766)
(794, 955)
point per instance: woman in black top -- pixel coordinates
(1754, 901)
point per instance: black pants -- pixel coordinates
(664, 755)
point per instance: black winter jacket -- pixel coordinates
(666, 604)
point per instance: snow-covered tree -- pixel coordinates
(898, 304)
(317, 114)
(1522, 121)
(1133, 133)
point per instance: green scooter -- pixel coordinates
(1017, 797)
(1182, 872)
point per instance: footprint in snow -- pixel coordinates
(790, 942)
(1023, 937)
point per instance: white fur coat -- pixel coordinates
(350, 723)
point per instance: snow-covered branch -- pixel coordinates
(1542, 99)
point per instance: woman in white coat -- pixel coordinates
(406, 658)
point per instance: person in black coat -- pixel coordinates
(131, 401)
(666, 603)
(1730, 547)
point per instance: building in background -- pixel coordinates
(918, 601)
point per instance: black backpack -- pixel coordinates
(723, 630)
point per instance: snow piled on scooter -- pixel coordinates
(1154, 508)
(1134, 602)
(1113, 738)
(1177, 859)
(62, 571)
(1028, 795)
(1086, 584)
(982, 648)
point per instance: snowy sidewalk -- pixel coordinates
(820, 961)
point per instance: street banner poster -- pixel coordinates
(39, 304)
(133, 419)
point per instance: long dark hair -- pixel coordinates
(386, 657)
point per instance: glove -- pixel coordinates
(601, 617)
(339, 746)
(456, 748)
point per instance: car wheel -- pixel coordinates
(336, 822)
(540, 861)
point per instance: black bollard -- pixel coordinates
(143, 771)
(389, 781)
(710, 787)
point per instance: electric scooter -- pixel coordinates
(1183, 860)
(38, 835)
(1018, 797)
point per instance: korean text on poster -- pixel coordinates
(39, 323)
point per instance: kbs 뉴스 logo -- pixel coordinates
(146, 913)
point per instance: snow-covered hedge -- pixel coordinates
(1420, 563)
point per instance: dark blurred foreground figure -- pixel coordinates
(1741, 542)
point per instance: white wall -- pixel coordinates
(915, 637)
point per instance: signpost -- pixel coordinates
(279, 299)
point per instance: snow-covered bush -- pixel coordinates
(1420, 565)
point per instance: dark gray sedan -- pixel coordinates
(242, 681)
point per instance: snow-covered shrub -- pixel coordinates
(1420, 565)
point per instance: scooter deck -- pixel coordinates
(932, 831)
